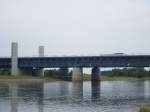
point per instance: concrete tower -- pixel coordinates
(14, 59)
(41, 51)
(40, 71)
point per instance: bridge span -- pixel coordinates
(26, 65)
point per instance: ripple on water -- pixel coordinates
(61, 96)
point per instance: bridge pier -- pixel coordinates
(77, 74)
(95, 74)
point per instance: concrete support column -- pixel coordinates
(77, 74)
(95, 74)
(14, 59)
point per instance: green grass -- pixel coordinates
(124, 78)
(118, 78)
(85, 78)
(144, 109)
(115, 78)
(23, 77)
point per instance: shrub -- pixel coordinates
(144, 109)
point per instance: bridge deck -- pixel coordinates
(80, 61)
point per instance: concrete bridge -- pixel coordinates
(26, 65)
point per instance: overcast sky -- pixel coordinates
(75, 27)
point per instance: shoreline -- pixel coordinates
(85, 78)
(144, 109)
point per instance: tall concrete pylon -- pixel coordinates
(40, 71)
(14, 59)
(41, 51)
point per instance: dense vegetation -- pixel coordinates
(62, 73)
(131, 72)
(4, 71)
(144, 109)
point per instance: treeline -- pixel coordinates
(131, 72)
(5, 71)
(62, 73)
(65, 74)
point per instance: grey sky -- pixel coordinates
(75, 27)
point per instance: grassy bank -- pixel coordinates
(27, 78)
(115, 78)
(144, 109)
(123, 78)
(85, 78)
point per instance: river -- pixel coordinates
(63, 96)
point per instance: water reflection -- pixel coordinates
(24, 93)
(147, 89)
(61, 96)
(13, 90)
(41, 97)
(77, 90)
(63, 88)
(95, 90)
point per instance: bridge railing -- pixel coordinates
(89, 55)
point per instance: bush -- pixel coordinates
(133, 72)
(62, 73)
(4, 71)
(144, 109)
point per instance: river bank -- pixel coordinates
(85, 78)
(115, 78)
(145, 109)
(10, 78)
